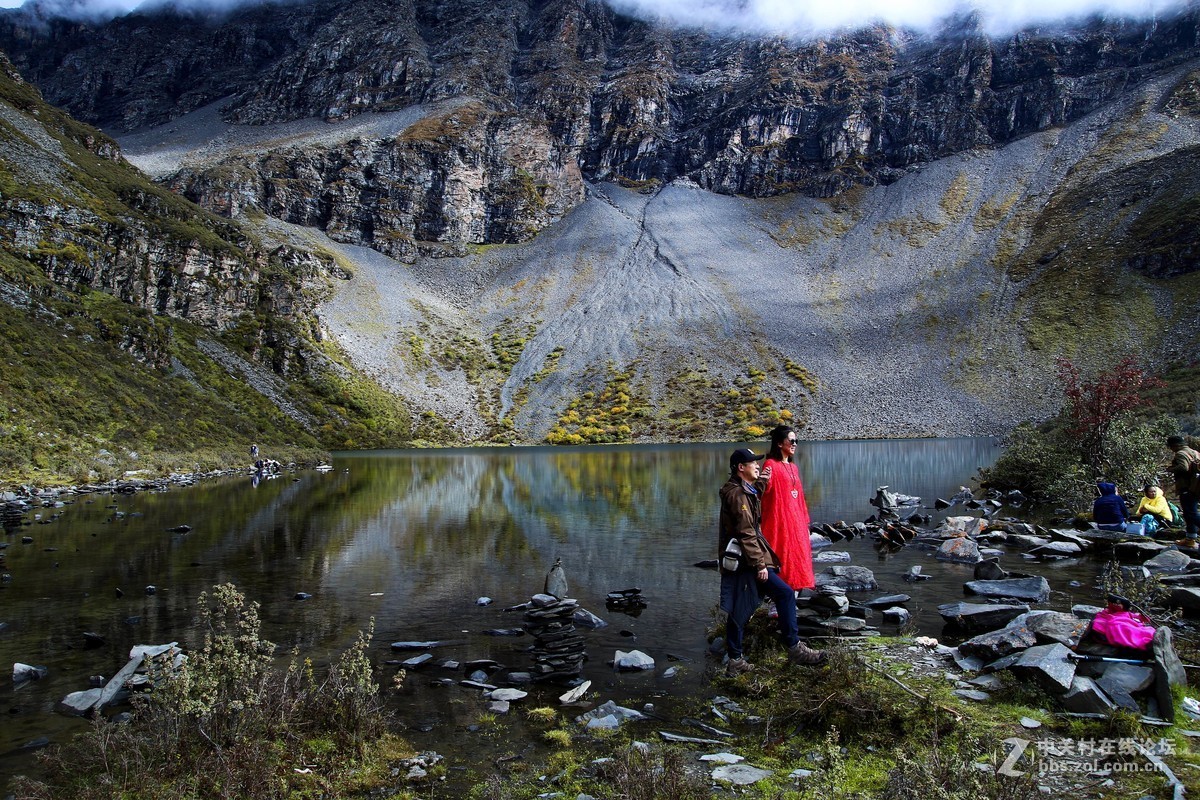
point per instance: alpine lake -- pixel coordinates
(413, 539)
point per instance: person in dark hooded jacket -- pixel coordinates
(1109, 511)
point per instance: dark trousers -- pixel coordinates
(785, 601)
(1189, 504)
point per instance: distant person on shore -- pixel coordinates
(785, 511)
(254, 452)
(1109, 511)
(1153, 510)
(1183, 468)
(749, 567)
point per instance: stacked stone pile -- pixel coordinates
(558, 650)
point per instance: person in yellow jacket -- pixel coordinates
(1153, 510)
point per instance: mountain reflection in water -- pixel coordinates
(413, 538)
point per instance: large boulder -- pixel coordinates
(959, 549)
(962, 526)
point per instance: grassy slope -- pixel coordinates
(74, 402)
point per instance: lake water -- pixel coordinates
(413, 538)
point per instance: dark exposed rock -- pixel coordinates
(990, 570)
(1054, 626)
(996, 644)
(850, 578)
(1049, 666)
(1085, 697)
(980, 616)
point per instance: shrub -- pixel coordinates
(230, 723)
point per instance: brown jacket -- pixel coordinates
(740, 516)
(1181, 466)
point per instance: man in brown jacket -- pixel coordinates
(751, 569)
(1182, 468)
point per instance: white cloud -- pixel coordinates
(808, 17)
(792, 17)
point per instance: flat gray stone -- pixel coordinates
(990, 570)
(850, 578)
(887, 601)
(498, 706)
(1056, 626)
(416, 661)
(1056, 550)
(1032, 590)
(632, 660)
(845, 624)
(972, 694)
(832, 557)
(610, 709)
(508, 695)
(896, 615)
(740, 774)
(1085, 611)
(723, 758)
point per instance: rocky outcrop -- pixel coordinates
(462, 174)
(71, 205)
(583, 89)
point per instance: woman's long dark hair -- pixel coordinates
(778, 436)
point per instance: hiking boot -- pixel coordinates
(801, 654)
(1186, 542)
(737, 666)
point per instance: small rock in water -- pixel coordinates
(151, 590)
(303, 596)
(633, 660)
(483, 601)
(556, 580)
(574, 694)
(28, 672)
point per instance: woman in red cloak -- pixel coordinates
(785, 512)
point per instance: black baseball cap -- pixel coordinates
(743, 456)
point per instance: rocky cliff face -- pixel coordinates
(549, 93)
(881, 234)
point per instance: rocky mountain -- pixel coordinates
(568, 223)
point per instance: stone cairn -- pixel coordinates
(558, 650)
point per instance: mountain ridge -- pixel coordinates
(575, 248)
